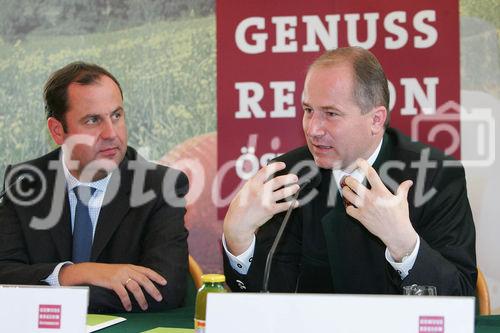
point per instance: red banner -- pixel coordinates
(264, 48)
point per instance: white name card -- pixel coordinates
(298, 313)
(43, 309)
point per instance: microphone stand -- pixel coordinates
(270, 255)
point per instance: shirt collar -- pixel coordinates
(338, 173)
(72, 181)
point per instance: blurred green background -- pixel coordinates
(162, 52)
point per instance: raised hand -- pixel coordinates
(384, 214)
(256, 202)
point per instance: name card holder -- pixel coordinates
(294, 313)
(43, 309)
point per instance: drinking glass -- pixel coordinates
(418, 290)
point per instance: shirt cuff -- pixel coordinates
(53, 278)
(241, 263)
(403, 268)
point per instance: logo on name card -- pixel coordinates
(49, 316)
(431, 324)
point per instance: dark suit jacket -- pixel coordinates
(150, 234)
(355, 258)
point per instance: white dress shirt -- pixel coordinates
(94, 206)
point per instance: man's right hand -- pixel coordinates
(117, 277)
(256, 202)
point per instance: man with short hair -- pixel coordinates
(94, 212)
(369, 229)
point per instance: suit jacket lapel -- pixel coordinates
(61, 232)
(112, 214)
(54, 207)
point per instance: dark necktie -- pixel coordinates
(82, 229)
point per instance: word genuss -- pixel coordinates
(252, 36)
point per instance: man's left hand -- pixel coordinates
(384, 214)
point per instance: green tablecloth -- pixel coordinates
(488, 324)
(183, 318)
(139, 322)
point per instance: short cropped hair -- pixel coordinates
(370, 83)
(55, 92)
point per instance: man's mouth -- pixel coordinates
(322, 147)
(109, 152)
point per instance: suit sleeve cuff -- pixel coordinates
(241, 263)
(53, 278)
(403, 268)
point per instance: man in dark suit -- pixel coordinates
(387, 212)
(94, 212)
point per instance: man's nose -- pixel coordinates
(108, 130)
(315, 127)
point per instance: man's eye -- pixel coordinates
(308, 110)
(331, 114)
(116, 115)
(91, 120)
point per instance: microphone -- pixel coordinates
(15, 182)
(312, 183)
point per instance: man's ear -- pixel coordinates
(379, 115)
(56, 130)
